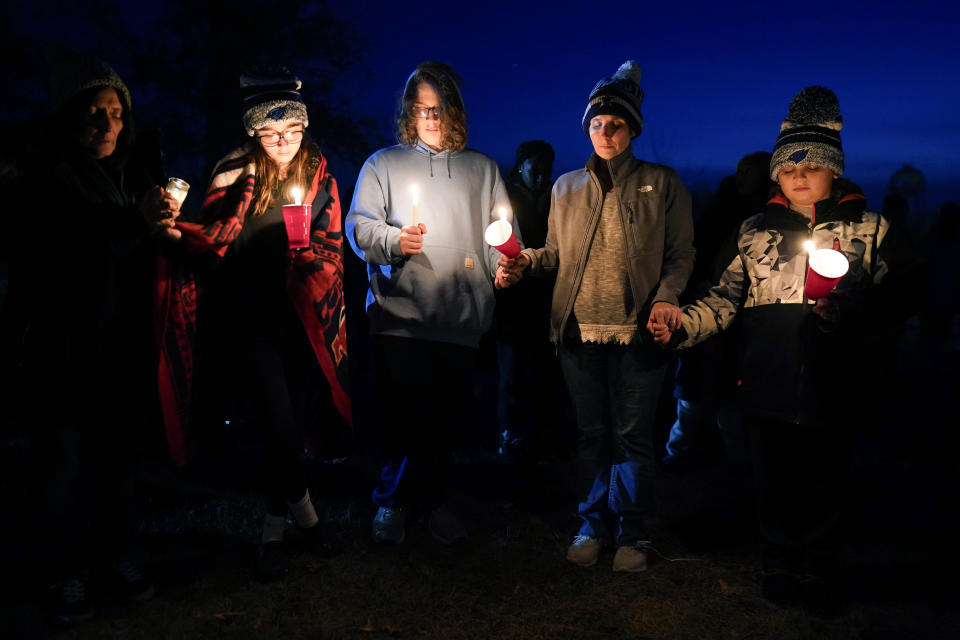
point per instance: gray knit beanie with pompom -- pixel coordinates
(810, 134)
(619, 95)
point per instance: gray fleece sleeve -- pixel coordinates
(372, 238)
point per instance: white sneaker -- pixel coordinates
(584, 551)
(632, 558)
(388, 525)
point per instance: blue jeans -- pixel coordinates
(614, 389)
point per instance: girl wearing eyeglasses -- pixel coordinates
(272, 344)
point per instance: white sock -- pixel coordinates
(303, 512)
(273, 527)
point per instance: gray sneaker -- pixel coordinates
(445, 527)
(584, 551)
(388, 525)
(632, 558)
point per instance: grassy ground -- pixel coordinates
(510, 580)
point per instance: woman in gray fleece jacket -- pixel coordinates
(431, 291)
(620, 240)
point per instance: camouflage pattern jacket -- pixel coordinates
(791, 361)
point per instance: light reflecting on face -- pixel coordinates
(429, 129)
(806, 184)
(102, 123)
(283, 152)
(610, 135)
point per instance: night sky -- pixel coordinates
(718, 79)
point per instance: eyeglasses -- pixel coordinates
(273, 139)
(425, 113)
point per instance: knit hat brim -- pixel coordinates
(274, 112)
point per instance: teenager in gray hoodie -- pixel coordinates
(417, 218)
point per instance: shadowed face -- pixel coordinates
(535, 173)
(102, 123)
(426, 112)
(610, 135)
(806, 184)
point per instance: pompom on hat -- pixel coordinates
(619, 95)
(810, 134)
(271, 94)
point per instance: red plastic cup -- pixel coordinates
(826, 268)
(499, 235)
(296, 218)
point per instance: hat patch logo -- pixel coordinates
(645, 188)
(276, 113)
(798, 156)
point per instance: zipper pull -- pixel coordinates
(836, 244)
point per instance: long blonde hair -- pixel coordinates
(299, 173)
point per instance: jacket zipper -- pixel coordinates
(578, 275)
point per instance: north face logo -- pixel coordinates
(798, 156)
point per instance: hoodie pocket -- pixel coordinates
(444, 287)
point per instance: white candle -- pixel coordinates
(415, 194)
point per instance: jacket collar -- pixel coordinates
(848, 208)
(618, 166)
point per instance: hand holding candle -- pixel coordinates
(825, 270)
(296, 219)
(499, 235)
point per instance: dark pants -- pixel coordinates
(420, 384)
(280, 375)
(89, 503)
(800, 473)
(615, 390)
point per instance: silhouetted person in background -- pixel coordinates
(896, 209)
(527, 411)
(942, 250)
(806, 374)
(705, 373)
(84, 242)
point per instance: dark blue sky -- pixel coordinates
(718, 79)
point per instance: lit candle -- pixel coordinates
(415, 194)
(499, 235)
(809, 246)
(296, 219)
(178, 189)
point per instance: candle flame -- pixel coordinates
(415, 192)
(502, 211)
(809, 246)
(297, 194)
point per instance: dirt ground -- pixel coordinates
(510, 579)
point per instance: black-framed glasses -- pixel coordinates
(273, 139)
(426, 113)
